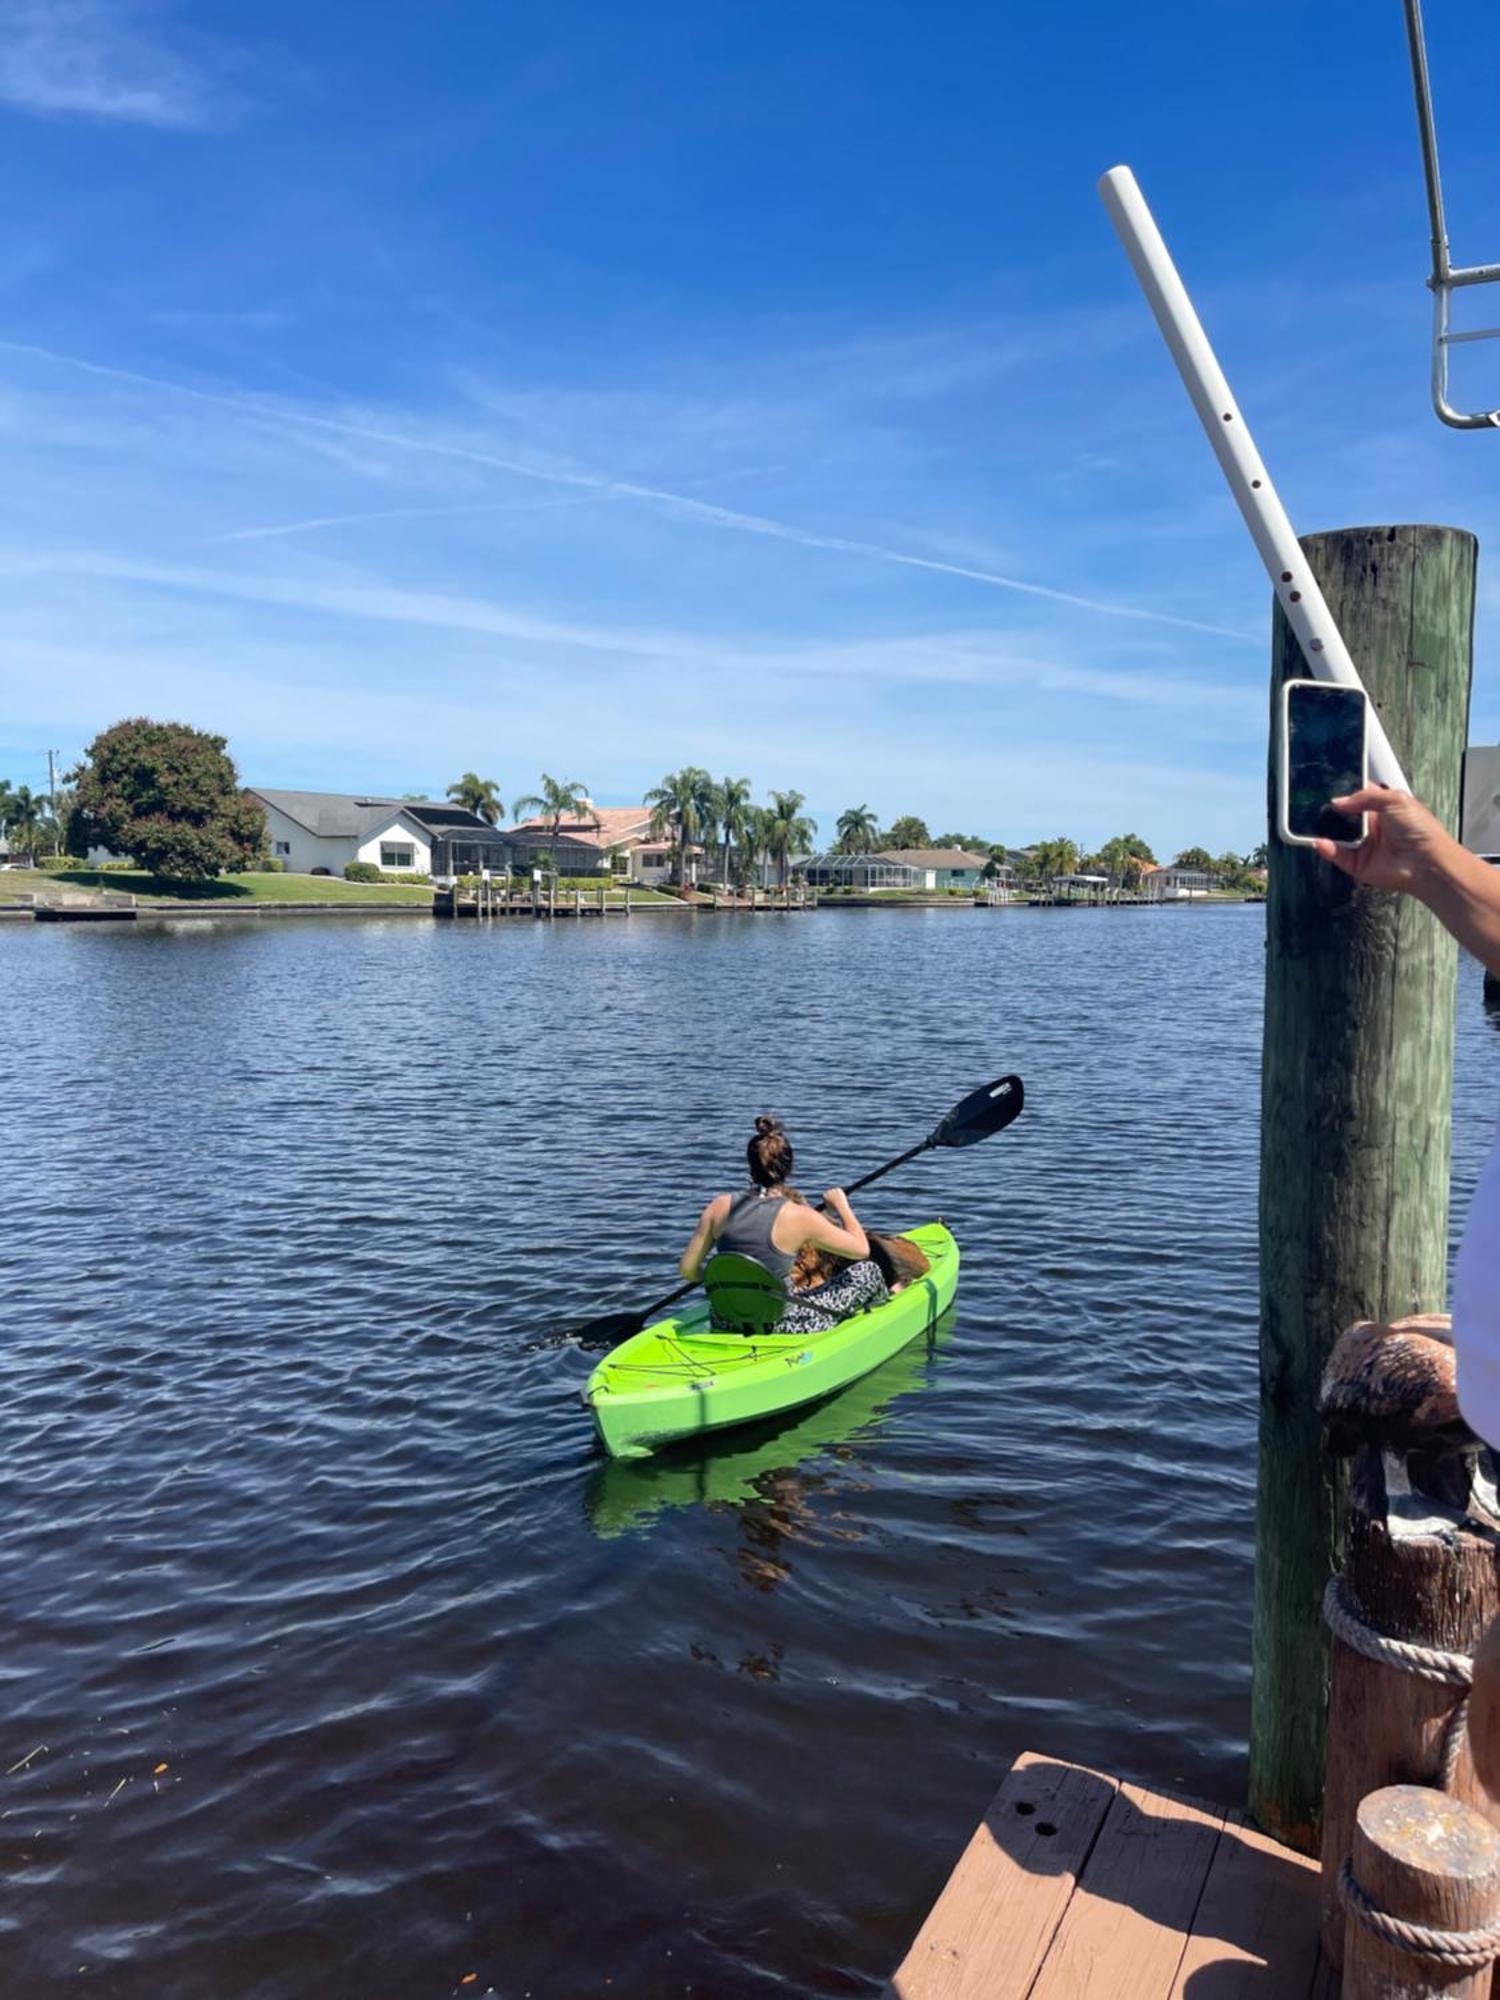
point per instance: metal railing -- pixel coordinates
(1446, 277)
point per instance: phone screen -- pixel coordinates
(1325, 753)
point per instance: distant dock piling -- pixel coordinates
(1356, 1108)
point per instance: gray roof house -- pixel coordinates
(321, 832)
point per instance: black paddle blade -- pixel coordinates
(608, 1330)
(983, 1112)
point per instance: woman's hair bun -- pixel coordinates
(765, 1126)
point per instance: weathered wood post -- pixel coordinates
(1356, 1103)
(1425, 1871)
(1430, 1581)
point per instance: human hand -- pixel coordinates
(837, 1200)
(1403, 850)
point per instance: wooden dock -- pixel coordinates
(1077, 1886)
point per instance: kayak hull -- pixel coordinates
(678, 1380)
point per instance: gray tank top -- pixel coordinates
(747, 1232)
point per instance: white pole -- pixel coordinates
(1296, 587)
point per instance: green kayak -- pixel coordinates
(679, 1380)
(627, 1496)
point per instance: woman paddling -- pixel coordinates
(772, 1223)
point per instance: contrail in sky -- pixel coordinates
(399, 514)
(623, 489)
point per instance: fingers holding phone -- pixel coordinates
(1404, 844)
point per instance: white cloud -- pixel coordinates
(684, 505)
(105, 59)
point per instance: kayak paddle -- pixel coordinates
(984, 1111)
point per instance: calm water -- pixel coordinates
(299, 1502)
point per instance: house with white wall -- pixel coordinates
(314, 833)
(1174, 883)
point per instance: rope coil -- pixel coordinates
(1468, 1951)
(1347, 1622)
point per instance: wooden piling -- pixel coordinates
(1428, 1861)
(1414, 1576)
(1356, 1100)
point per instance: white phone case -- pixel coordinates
(1283, 772)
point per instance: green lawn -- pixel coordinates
(225, 889)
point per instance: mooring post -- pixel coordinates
(1356, 1104)
(1423, 1896)
(1418, 1574)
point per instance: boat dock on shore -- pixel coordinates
(1078, 1884)
(486, 899)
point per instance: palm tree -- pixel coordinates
(555, 803)
(1055, 858)
(732, 796)
(858, 831)
(754, 843)
(26, 818)
(480, 795)
(683, 805)
(789, 830)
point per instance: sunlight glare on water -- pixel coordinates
(358, 1670)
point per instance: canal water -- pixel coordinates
(336, 1662)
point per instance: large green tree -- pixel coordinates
(857, 831)
(559, 799)
(788, 831)
(1195, 857)
(908, 831)
(480, 796)
(168, 796)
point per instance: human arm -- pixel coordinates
(836, 1229)
(1408, 850)
(710, 1222)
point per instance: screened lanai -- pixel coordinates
(858, 871)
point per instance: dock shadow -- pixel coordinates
(1246, 1909)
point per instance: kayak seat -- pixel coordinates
(743, 1296)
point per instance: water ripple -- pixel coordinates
(337, 1660)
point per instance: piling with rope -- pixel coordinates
(1356, 1106)
(1418, 1589)
(1421, 1895)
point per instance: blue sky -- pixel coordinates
(599, 389)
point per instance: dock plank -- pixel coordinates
(1124, 1932)
(989, 1932)
(1256, 1927)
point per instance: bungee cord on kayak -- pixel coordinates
(725, 1360)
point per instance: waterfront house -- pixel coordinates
(934, 868)
(314, 833)
(605, 841)
(938, 867)
(1171, 884)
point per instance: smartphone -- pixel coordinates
(1324, 755)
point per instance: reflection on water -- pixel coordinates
(757, 1465)
(300, 1503)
